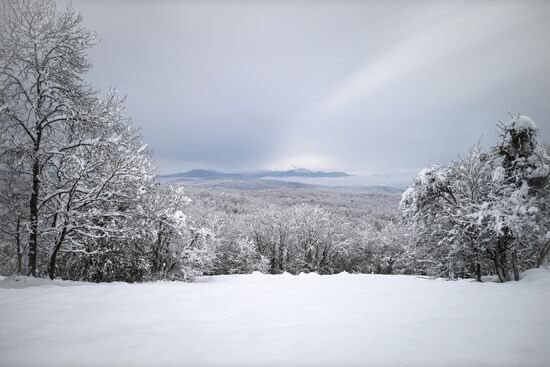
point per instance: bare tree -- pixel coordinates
(77, 158)
(42, 91)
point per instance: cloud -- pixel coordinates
(444, 43)
(412, 99)
(379, 88)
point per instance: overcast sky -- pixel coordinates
(376, 88)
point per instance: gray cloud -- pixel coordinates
(378, 88)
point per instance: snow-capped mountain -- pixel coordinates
(211, 174)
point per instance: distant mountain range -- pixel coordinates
(203, 179)
(204, 174)
(247, 184)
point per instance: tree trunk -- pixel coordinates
(499, 271)
(544, 252)
(274, 258)
(156, 250)
(501, 261)
(515, 265)
(33, 204)
(281, 257)
(389, 269)
(53, 257)
(18, 244)
(33, 218)
(500, 266)
(478, 272)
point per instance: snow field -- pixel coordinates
(277, 320)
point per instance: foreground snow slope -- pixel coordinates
(279, 320)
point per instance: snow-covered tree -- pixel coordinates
(178, 250)
(78, 161)
(524, 157)
(388, 245)
(523, 167)
(300, 238)
(239, 256)
(319, 238)
(483, 213)
(42, 93)
(97, 187)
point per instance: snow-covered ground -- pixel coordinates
(277, 320)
